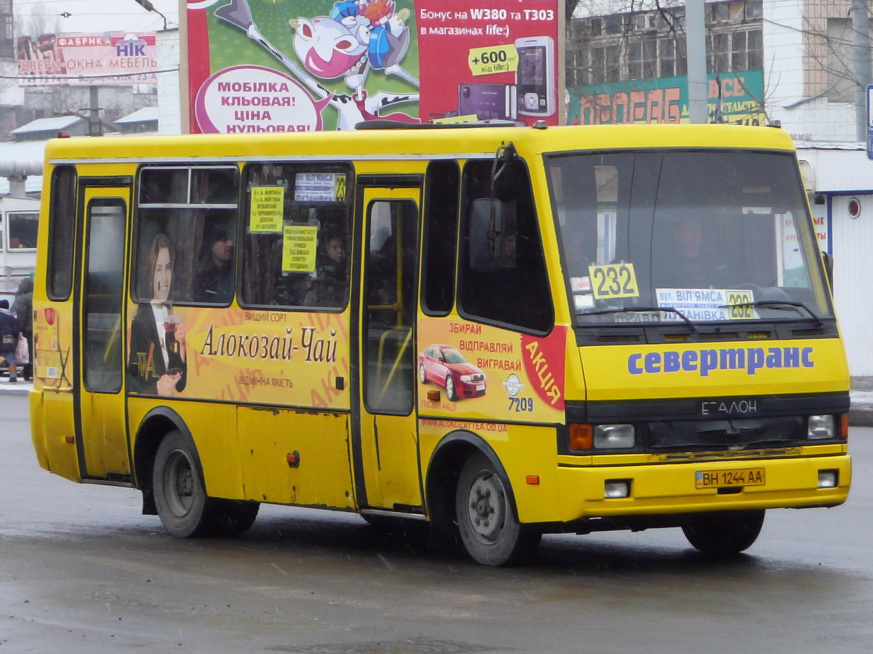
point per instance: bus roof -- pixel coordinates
(403, 143)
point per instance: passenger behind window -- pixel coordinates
(214, 282)
(328, 288)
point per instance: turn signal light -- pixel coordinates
(581, 437)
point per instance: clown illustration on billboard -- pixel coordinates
(355, 38)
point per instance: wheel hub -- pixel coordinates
(179, 484)
(486, 508)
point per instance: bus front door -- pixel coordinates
(385, 437)
(101, 434)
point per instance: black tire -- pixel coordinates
(450, 388)
(180, 494)
(724, 534)
(231, 517)
(487, 522)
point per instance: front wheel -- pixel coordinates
(180, 494)
(232, 517)
(450, 388)
(486, 516)
(422, 373)
(724, 534)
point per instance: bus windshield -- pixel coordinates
(699, 236)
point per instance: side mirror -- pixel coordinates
(828, 262)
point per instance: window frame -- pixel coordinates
(346, 167)
(465, 272)
(431, 244)
(183, 207)
(63, 215)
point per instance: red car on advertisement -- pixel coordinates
(445, 366)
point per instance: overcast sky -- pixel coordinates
(92, 16)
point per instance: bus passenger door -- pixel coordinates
(385, 437)
(101, 434)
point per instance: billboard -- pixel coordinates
(75, 59)
(735, 98)
(307, 65)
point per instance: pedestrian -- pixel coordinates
(8, 338)
(22, 307)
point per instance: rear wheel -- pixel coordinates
(724, 534)
(486, 516)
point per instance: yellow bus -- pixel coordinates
(499, 331)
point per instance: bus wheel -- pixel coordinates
(723, 534)
(180, 494)
(232, 517)
(486, 518)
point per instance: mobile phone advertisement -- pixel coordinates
(309, 65)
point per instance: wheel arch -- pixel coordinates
(156, 424)
(444, 468)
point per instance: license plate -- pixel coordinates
(735, 477)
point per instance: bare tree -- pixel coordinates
(832, 46)
(39, 21)
(642, 23)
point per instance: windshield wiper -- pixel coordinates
(776, 305)
(601, 312)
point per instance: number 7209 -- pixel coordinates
(519, 404)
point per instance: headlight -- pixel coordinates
(820, 427)
(466, 378)
(613, 437)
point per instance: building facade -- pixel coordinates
(787, 62)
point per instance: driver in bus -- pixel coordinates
(157, 363)
(684, 263)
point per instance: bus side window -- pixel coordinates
(62, 231)
(515, 291)
(441, 199)
(197, 208)
(295, 236)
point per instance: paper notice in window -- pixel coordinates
(298, 248)
(266, 211)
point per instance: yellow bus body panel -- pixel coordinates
(303, 455)
(618, 372)
(52, 413)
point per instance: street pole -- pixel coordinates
(861, 60)
(94, 126)
(695, 39)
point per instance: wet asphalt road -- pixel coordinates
(81, 570)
